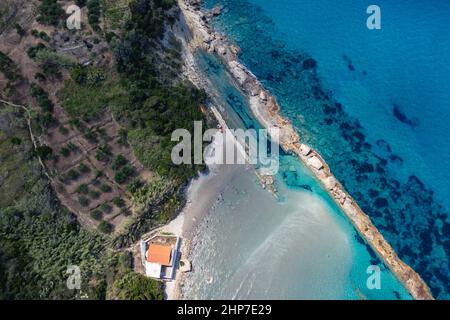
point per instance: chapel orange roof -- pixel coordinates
(158, 253)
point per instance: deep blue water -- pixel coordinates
(376, 104)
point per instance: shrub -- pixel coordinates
(134, 185)
(126, 212)
(96, 215)
(91, 136)
(33, 51)
(72, 146)
(80, 3)
(94, 13)
(123, 137)
(105, 227)
(103, 153)
(63, 130)
(134, 286)
(124, 174)
(83, 201)
(16, 141)
(49, 12)
(42, 98)
(82, 188)
(73, 174)
(119, 202)
(44, 152)
(64, 152)
(40, 76)
(20, 31)
(106, 208)
(76, 123)
(119, 162)
(8, 68)
(46, 119)
(105, 188)
(44, 36)
(83, 168)
(94, 194)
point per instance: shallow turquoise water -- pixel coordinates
(376, 104)
(252, 246)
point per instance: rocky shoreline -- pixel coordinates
(266, 110)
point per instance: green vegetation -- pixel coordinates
(119, 202)
(8, 68)
(72, 174)
(65, 152)
(90, 96)
(16, 141)
(94, 194)
(44, 152)
(118, 162)
(20, 31)
(42, 35)
(105, 188)
(83, 168)
(83, 188)
(115, 13)
(49, 12)
(96, 215)
(106, 208)
(103, 153)
(63, 130)
(33, 51)
(94, 13)
(134, 286)
(105, 227)
(42, 98)
(124, 174)
(39, 76)
(80, 3)
(39, 238)
(84, 202)
(160, 103)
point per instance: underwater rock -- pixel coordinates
(309, 64)
(403, 118)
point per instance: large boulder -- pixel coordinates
(305, 150)
(315, 162)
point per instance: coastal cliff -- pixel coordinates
(266, 110)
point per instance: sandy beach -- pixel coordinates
(202, 192)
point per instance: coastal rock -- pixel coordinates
(263, 96)
(216, 11)
(238, 72)
(330, 182)
(315, 163)
(251, 88)
(304, 149)
(235, 49)
(273, 107)
(194, 3)
(185, 265)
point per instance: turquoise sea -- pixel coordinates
(375, 103)
(251, 245)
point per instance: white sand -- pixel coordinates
(201, 193)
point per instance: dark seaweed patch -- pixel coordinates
(402, 117)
